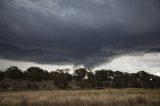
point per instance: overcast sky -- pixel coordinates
(113, 34)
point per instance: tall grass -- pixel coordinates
(107, 97)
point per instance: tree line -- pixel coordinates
(84, 78)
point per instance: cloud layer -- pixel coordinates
(79, 32)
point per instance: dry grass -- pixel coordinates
(107, 97)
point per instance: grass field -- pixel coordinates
(107, 97)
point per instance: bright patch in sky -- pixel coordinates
(127, 63)
(24, 65)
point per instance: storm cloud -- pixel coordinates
(79, 32)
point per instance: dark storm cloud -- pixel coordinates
(79, 32)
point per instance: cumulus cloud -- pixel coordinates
(79, 32)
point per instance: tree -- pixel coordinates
(103, 77)
(155, 81)
(119, 81)
(61, 78)
(80, 74)
(46, 75)
(35, 74)
(134, 80)
(145, 79)
(126, 77)
(1, 75)
(14, 72)
(91, 79)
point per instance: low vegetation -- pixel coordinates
(38, 87)
(106, 97)
(36, 78)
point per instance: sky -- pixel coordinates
(111, 34)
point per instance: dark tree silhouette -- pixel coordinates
(84, 78)
(61, 78)
(46, 75)
(80, 74)
(1, 75)
(118, 81)
(35, 74)
(14, 72)
(104, 77)
(91, 79)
